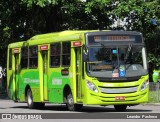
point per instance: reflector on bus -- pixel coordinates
(44, 47)
(76, 43)
(16, 50)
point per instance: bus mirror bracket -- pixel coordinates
(85, 57)
(85, 53)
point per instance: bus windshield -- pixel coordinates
(116, 61)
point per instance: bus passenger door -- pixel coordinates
(45, 77)
(16, 74)
(78, 73)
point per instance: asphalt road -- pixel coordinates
(8, 106)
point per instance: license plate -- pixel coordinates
(120, 98)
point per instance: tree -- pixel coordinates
(21, 19)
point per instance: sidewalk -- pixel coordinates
(151, 104)
(156, 104)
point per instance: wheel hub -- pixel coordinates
(29, 99)
(70, 101)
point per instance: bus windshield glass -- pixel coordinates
(116, 61)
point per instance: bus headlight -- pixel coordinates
(92, 86)
(144, 85)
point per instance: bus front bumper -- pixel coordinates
(116, 99)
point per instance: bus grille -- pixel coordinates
(123, 79)
(118, 90)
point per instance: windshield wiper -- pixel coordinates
(127, 54)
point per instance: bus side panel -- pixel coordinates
(30, 77)
(22, 86)
(56, 85)
(21, 89)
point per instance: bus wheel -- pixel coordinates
(29, 99)
(120, 107)
(70, 103)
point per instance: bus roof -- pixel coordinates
(59, 34)
(16, 44)
(68, 35)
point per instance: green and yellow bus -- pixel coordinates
(79, 68)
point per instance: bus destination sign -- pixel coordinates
(113, 38)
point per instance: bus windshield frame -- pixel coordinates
(106, 56)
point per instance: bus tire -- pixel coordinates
(29, 99)
(70, 103)
(120, 108)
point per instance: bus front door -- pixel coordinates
(45, 77)
(78, 74)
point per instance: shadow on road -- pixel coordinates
(107, 109)
(2, 108)
(89, 109)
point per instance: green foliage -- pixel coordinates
(41, 3)
(154, 59)
(21, 19)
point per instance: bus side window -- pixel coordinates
(55, 55)
(24, 58)
(66, 46)
(33, 57)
